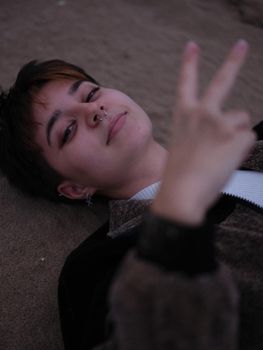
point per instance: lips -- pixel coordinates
(115, 126)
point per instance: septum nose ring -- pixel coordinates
(105, 114)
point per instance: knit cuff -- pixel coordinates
(177, 247)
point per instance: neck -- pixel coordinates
(147, 169)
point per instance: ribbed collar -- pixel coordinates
(148, 192)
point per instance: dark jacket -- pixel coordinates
(158, 285)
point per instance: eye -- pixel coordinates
(92, 93)
(68, 133)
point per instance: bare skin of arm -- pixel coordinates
(208, 144)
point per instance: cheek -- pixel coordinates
(86, 162)
(139, 128)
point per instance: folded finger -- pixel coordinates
(237, 119)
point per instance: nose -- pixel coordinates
(95, 115)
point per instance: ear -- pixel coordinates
(72, 190)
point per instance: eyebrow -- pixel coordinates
(58, 113)
(74, 87)
(51, 122)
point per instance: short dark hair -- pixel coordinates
(21, 159)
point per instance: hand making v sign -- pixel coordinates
(207, 143)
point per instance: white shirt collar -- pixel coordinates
(244, 184)
(148, 192)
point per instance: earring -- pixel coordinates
(88, 200)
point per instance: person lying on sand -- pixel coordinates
(184, 238)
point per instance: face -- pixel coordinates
(92, 136)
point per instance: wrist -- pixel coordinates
(176, 246)
(182, 209)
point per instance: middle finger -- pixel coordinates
(225, 78)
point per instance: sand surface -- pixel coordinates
(134, 46)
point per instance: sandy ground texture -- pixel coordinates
(134, 46)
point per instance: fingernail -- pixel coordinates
(241, 46)
(191, 47)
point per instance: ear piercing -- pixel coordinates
(88, 200)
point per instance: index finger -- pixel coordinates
(187, 83)
(225, 78)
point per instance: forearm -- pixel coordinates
(165, 298)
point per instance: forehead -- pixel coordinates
(53, 89)
(48, 98)
(57, 95)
